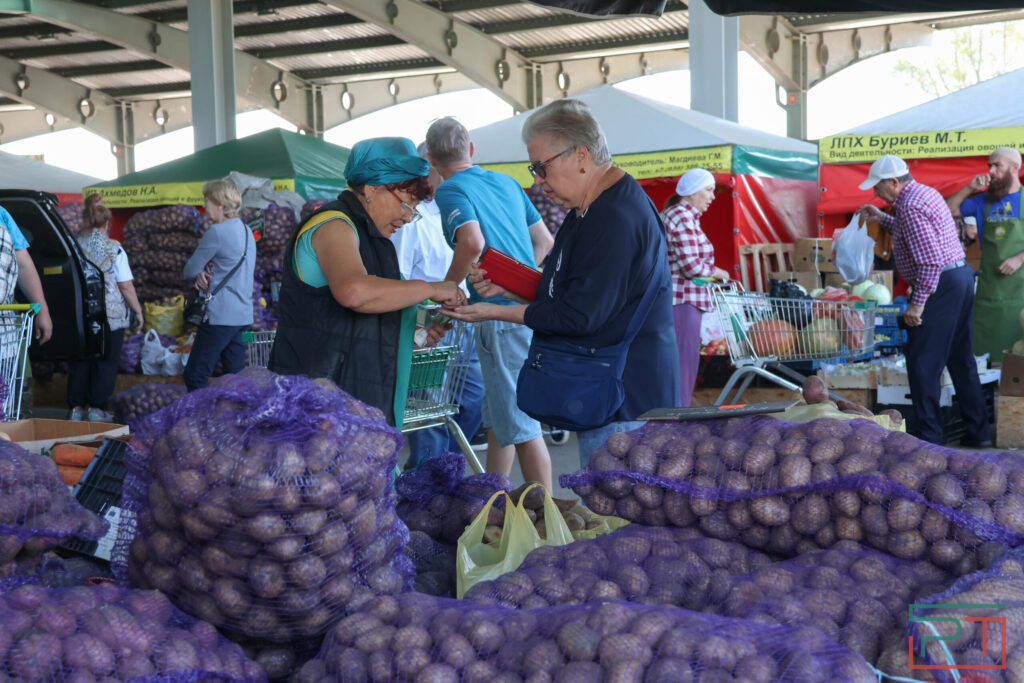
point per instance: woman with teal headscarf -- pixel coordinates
(345, 313)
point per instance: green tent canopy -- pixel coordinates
(300, 163)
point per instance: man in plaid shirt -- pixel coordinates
(939, 318)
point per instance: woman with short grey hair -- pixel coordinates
(609, 253)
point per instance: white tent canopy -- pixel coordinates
(22, 173)
(995, 103)
(634, 125)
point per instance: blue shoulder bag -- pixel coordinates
(576, 387)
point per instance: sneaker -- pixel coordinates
(97, 415)
(77, 414)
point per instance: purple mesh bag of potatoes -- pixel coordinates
(416, 637)
(788, 488)
(37, 510)
(439, 500)
(974, 637)
(143, 399)
(855, 595)
(105, 633)
(263, 505)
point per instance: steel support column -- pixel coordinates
(211, 47)
(714, 62)
(124, 149)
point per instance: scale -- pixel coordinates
(717, 412)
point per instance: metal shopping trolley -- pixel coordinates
(763, 332)
(15, 337)
(436, 380)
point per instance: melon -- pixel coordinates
(821, 337)
(772, 337)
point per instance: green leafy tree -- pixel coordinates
(965, 56)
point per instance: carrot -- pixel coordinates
(70, 475)
(72, 454)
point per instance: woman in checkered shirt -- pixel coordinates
(690, 255)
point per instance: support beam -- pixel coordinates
(211, 42)
(714, 60)
(256, 80)
(61, 97)
(798, 61)
(488, 62)
(125, 152)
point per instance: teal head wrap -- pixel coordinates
(379, 161)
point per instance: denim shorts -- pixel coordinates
(502, 348)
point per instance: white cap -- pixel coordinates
(693, 181)
(883, 169)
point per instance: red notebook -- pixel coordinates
(513, 275)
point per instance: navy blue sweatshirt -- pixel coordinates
(593, 280)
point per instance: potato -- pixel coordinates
(1009, 512)
(795, 470)
(770, 511)
(758, 458)
(810, 514)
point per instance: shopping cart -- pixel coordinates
(257, 347)
(763, 332)
(15, 337)
(436, 380)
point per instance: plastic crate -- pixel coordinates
(897, 340)
(888, 317)
(428, 369)
(99, 490)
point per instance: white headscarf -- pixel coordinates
(693, 181)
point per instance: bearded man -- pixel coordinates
(996, 213)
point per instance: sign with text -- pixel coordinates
(162, 194)
(647, 165)
(937, 615)
(941, 144)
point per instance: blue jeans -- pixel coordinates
(592, 439)
(425, 444)
(213, 342)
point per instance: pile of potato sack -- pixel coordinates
(261, 513)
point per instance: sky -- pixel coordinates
(831, 109)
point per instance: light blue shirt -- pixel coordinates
(12, 229)
(498, 204)
(224, 244)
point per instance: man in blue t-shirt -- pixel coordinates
(27, 278)
(997, 224)
(479, 210)
(999, 189)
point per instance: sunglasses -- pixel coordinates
(538, 168)
(414, 215)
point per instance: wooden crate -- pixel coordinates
(1010, 421)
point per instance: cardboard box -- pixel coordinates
(813, 255)
(39, 436)
(865, 379)
(900, 395)
(884, 277)
(897, 377)
(1010, 421)
(1011, 379)
(808, 279)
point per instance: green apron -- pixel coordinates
(1000, 298)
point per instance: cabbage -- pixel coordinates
(858, 290)
(878, 293)
(821, 336)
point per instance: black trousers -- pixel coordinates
(91, 382)
(944, 341)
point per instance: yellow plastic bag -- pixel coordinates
(805, 413)
(477, 561)
(168, 320)
(605, 526)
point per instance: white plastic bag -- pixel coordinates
(154, 354)
(854, 252)
(177, 357)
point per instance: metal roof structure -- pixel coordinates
(120, 68)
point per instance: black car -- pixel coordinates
(72, 285)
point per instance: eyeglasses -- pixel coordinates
(414, 215)
(538, 168)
